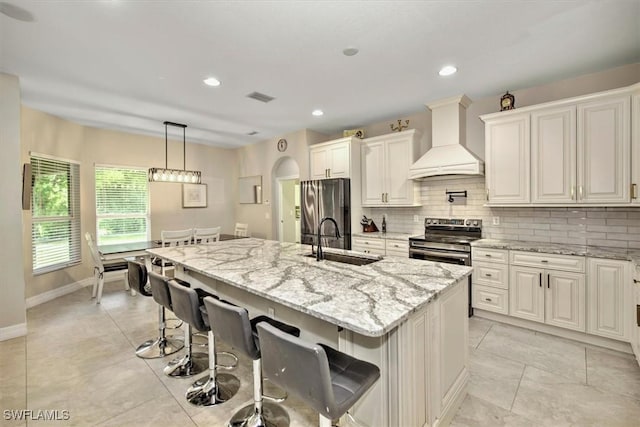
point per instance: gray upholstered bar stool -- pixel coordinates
(216, 387)
(231, 324)
(163, 345)
(327, 380)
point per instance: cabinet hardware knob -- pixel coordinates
(636, 281)
(548, 280)
(540, 279)
(488, 274)
(544, 261)
(488, 299)
(580, 192)
(487, 255)
(573, 190)
(634, 191)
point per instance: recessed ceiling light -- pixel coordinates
(212, 81)
(350, 51)
(317, 112)
(448, 70)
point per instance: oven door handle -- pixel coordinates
(439, 254)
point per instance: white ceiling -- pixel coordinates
(130, 65)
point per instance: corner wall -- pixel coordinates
(12, 283)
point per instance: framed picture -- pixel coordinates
(194, 195)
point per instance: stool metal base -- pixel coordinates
(273, 415)
(186, 367)
(154, 349)
(208, 392)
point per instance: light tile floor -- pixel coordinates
(79, 357)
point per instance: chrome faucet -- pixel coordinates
(319, 254)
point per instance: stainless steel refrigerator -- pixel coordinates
(326, 198)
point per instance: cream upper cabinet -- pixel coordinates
(330, 159)
(553, 155)
(609, 298)
(507, 159)
(635, 145)
(385, 165)
(604, 130)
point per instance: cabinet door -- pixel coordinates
(607, 302)
(339, 160)
(507, 160)
(604, 151)
(372, 173)
(635, 147)
(319, 159)
(565, 300)
(553, 155)
(526, 294)
(399, 157)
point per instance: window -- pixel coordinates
(122, 205)
(55, 209)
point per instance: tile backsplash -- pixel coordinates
(614, 227)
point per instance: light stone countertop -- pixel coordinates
(388, 235)
(561, 249)
(370, 299)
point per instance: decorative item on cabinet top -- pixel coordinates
(507, 102)
(400, 127)
(358, 133)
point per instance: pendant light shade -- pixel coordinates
(183, 175)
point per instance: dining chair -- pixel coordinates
(241, 230)
(174, 238)
(206, 235)
(100, 266)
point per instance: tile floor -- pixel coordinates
(79, 357)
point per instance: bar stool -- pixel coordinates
(163, 345)
(231, 324)
(216, 387)
(326, 379)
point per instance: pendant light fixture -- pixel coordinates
(182, 176)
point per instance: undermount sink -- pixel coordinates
(346, 259)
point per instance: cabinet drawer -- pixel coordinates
(491, 255)
(548, 261)
(490, 299)
(491, 274)
(397, 248)
(369, 246)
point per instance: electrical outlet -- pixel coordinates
(416, 218)
(496, 220)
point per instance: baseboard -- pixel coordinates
(58, 292)
(13, 331)
(582, 337)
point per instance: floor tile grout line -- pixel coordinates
(515, 395)
(586, 368)
(483, 337)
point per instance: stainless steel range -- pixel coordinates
(448, 241)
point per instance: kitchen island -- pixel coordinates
(407, 316)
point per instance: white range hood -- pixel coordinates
(448, 155)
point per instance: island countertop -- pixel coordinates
(370, 299)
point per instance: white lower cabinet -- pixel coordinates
(368, 245)
(548, 296)
(396, 247)
(609, 298)
(490, 287)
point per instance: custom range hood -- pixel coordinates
(448, 155)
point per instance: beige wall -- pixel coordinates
(47, 134)
(263, 159)
(12, 283)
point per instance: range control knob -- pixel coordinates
(428, 221)
(467, 222)
(475, 223)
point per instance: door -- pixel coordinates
(607, 298)
(339, 160)
(604, 147)
(565, 300)
(334, 196)
(289, 223)
(553, 155)
(319, 159)
(508, 160)
(526, 294)
(373, 173)
(399, 157)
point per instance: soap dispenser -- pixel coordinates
(384, 224)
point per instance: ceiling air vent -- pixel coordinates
(253, 132)
(260, 97)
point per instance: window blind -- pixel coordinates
(55, 209)
(122, 205)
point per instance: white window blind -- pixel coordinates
(122, 205)
(55, 209)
